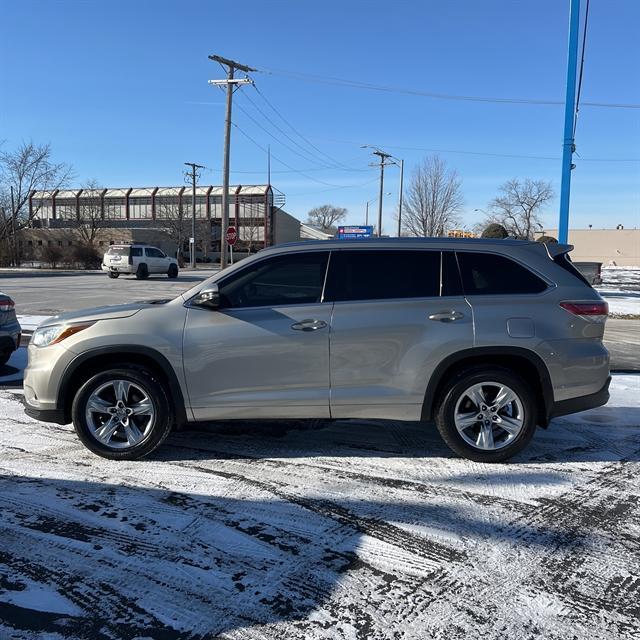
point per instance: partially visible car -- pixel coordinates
(140, 260)
(592, 271)
(10, 330)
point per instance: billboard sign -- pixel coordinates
(354, 232)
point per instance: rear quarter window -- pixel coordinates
(490, 274)
(564, 261)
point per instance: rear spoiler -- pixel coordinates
(555, 249)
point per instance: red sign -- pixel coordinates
(231, 235)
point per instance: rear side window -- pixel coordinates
(136, 252)
(381, 275)
(488, 274)
(564, 261)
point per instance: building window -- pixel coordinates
(115, 208)
(70, 243)
(39, 243)
(139, 208)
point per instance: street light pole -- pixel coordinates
(569, 121)
(400, 198)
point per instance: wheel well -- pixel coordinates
(519, 364)
(102, 362)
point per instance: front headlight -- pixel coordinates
(45, 336)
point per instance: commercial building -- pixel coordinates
(619, 247)
(255, 210)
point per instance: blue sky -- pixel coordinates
(120, 91)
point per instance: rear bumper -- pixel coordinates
(120, 268)
(581, 403)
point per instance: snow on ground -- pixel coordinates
(621, 303)
(621, 277)
(350, 529)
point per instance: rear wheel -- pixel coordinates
(142, 272)
(122, 414)
(113, 274)
(487, 415)
(173, 271)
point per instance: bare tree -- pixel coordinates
(519, 206)
(434, 199)
(173, 220)
(326, 216)
(90, 221)
(27, 168)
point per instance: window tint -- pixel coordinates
(564, 261)
(488, 274)
(281, 280)
(380, 275)
(154, 253)
(136, 252)
(451, 283)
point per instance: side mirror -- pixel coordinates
(208, 298)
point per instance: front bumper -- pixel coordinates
(46, 415)
(581, 403)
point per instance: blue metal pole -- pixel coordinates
(569, 119)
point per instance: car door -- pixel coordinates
(155, 261)
(265, 352)
(397, 314)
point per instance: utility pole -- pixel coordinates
(383, 156)
(192, 248)
(269, 164)
(569, 120)
(400, 198)
(230, 81)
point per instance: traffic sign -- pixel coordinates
(231, 235)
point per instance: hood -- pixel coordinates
(110, 312)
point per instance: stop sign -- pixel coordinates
(231, 235)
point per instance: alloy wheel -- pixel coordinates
(120, 414)
(489, 416)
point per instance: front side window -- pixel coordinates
(490, 274)
(281, 280)
(383, 274)
(154, 253)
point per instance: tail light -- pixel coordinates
(593, 311)
(6, 304)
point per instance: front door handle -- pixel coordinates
(309, 325)
(446, 316)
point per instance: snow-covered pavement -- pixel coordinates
(350, 529)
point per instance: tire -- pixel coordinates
(140, 391)
(142, 272)
(4, 357)
(173, 271)
(490, 439)
(114, 274)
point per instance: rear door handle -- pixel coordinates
(446, 316)
(309, 325)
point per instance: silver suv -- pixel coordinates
(139, 260)
(489, 338)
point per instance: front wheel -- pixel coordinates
(122, 414)
(487, 415)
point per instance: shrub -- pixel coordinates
(546, 239)
(52, 254)
(495, 230)
(87, 256)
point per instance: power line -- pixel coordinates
(333, 160)
(354, 84)
(584, 42)
(257, 144)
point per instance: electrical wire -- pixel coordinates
(311, 144)
(354, 84)
(584, 42)
(257, 144)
